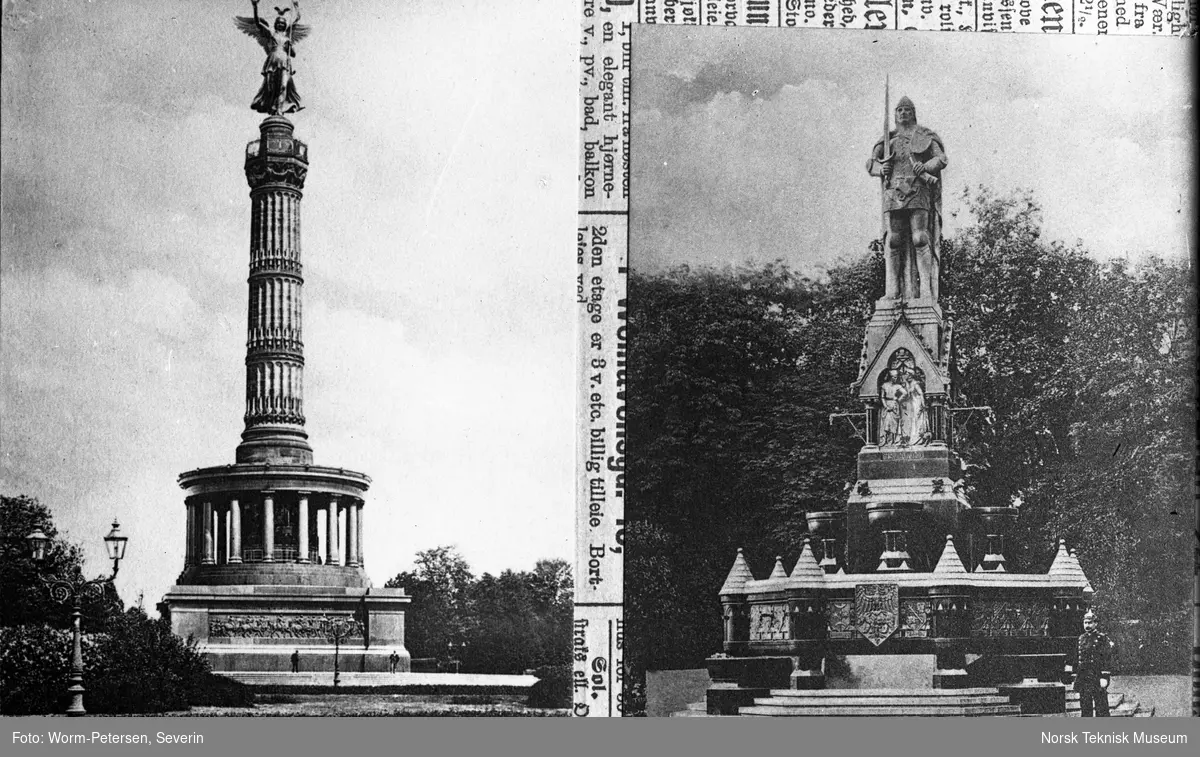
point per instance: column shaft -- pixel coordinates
(268, 510)
(331, 541)
(207, 517)
(352, 533)
(235, 531)
(221, 529)
(361, 560)
(188, 540)
(303, 515)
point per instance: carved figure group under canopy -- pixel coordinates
(903, 418)
(278, 95)
(909, 160)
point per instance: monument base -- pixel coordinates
(1037, 698)
(250, 628)
(737, 681)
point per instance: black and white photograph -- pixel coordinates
(287, 385)
(910, 384)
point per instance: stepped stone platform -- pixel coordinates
(385, 683)
(1119, 706)
(974, 702)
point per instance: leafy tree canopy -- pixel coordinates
(1088, 368)
(24, 597)
(516, 621)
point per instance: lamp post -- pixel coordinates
(336, 630)
(450, 645)
(73, 589)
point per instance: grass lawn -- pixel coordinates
(376, 705)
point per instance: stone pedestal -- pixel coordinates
(738, 680)
(951, 669)
(241, 628)
(1037, 698)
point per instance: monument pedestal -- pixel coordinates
(242, 628)
(737, 681)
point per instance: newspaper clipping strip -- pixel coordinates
(602, 244)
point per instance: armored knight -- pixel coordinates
(910, 164)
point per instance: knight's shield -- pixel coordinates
(877, 611)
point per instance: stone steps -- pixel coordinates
(385, 682)
(976, 702)
(806, 702)
(895, 711)
(890, 693)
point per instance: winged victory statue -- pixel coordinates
(277, 96)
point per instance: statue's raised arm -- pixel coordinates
(278, 95)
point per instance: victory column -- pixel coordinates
(273, 552)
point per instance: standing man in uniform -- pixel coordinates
(1093, 672)
(296, 661)
(910, 165)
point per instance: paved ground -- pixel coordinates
(377, 705)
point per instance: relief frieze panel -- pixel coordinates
(914, 618)
(769, 622)
(269, 626)
(994, 617)
(840, 618)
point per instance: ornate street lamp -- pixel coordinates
(73, 589)
(457, 661)
(338, 629)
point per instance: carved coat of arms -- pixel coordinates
(877, 611)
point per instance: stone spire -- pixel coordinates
(1087, 584)
(806, 568)
(778, 578)
(949, 564)
(778, 572)
(276, 166)
(739, 574)
(1065, 568)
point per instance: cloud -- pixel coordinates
(724, 175)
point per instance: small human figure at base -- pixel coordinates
(394, 660)
(1093, 672)
(296, 661)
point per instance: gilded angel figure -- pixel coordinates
(277, 95)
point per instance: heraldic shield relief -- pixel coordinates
(877, 611)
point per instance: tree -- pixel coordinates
(440, 613)
(732, 380)
(508, 623)
(24, 597)
(1088, 369)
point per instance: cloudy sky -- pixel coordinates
(439, 264)
(750, 144)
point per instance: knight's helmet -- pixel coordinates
(905, 102)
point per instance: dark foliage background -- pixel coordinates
(1089, 368)
(132, 664)
(515, 622)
